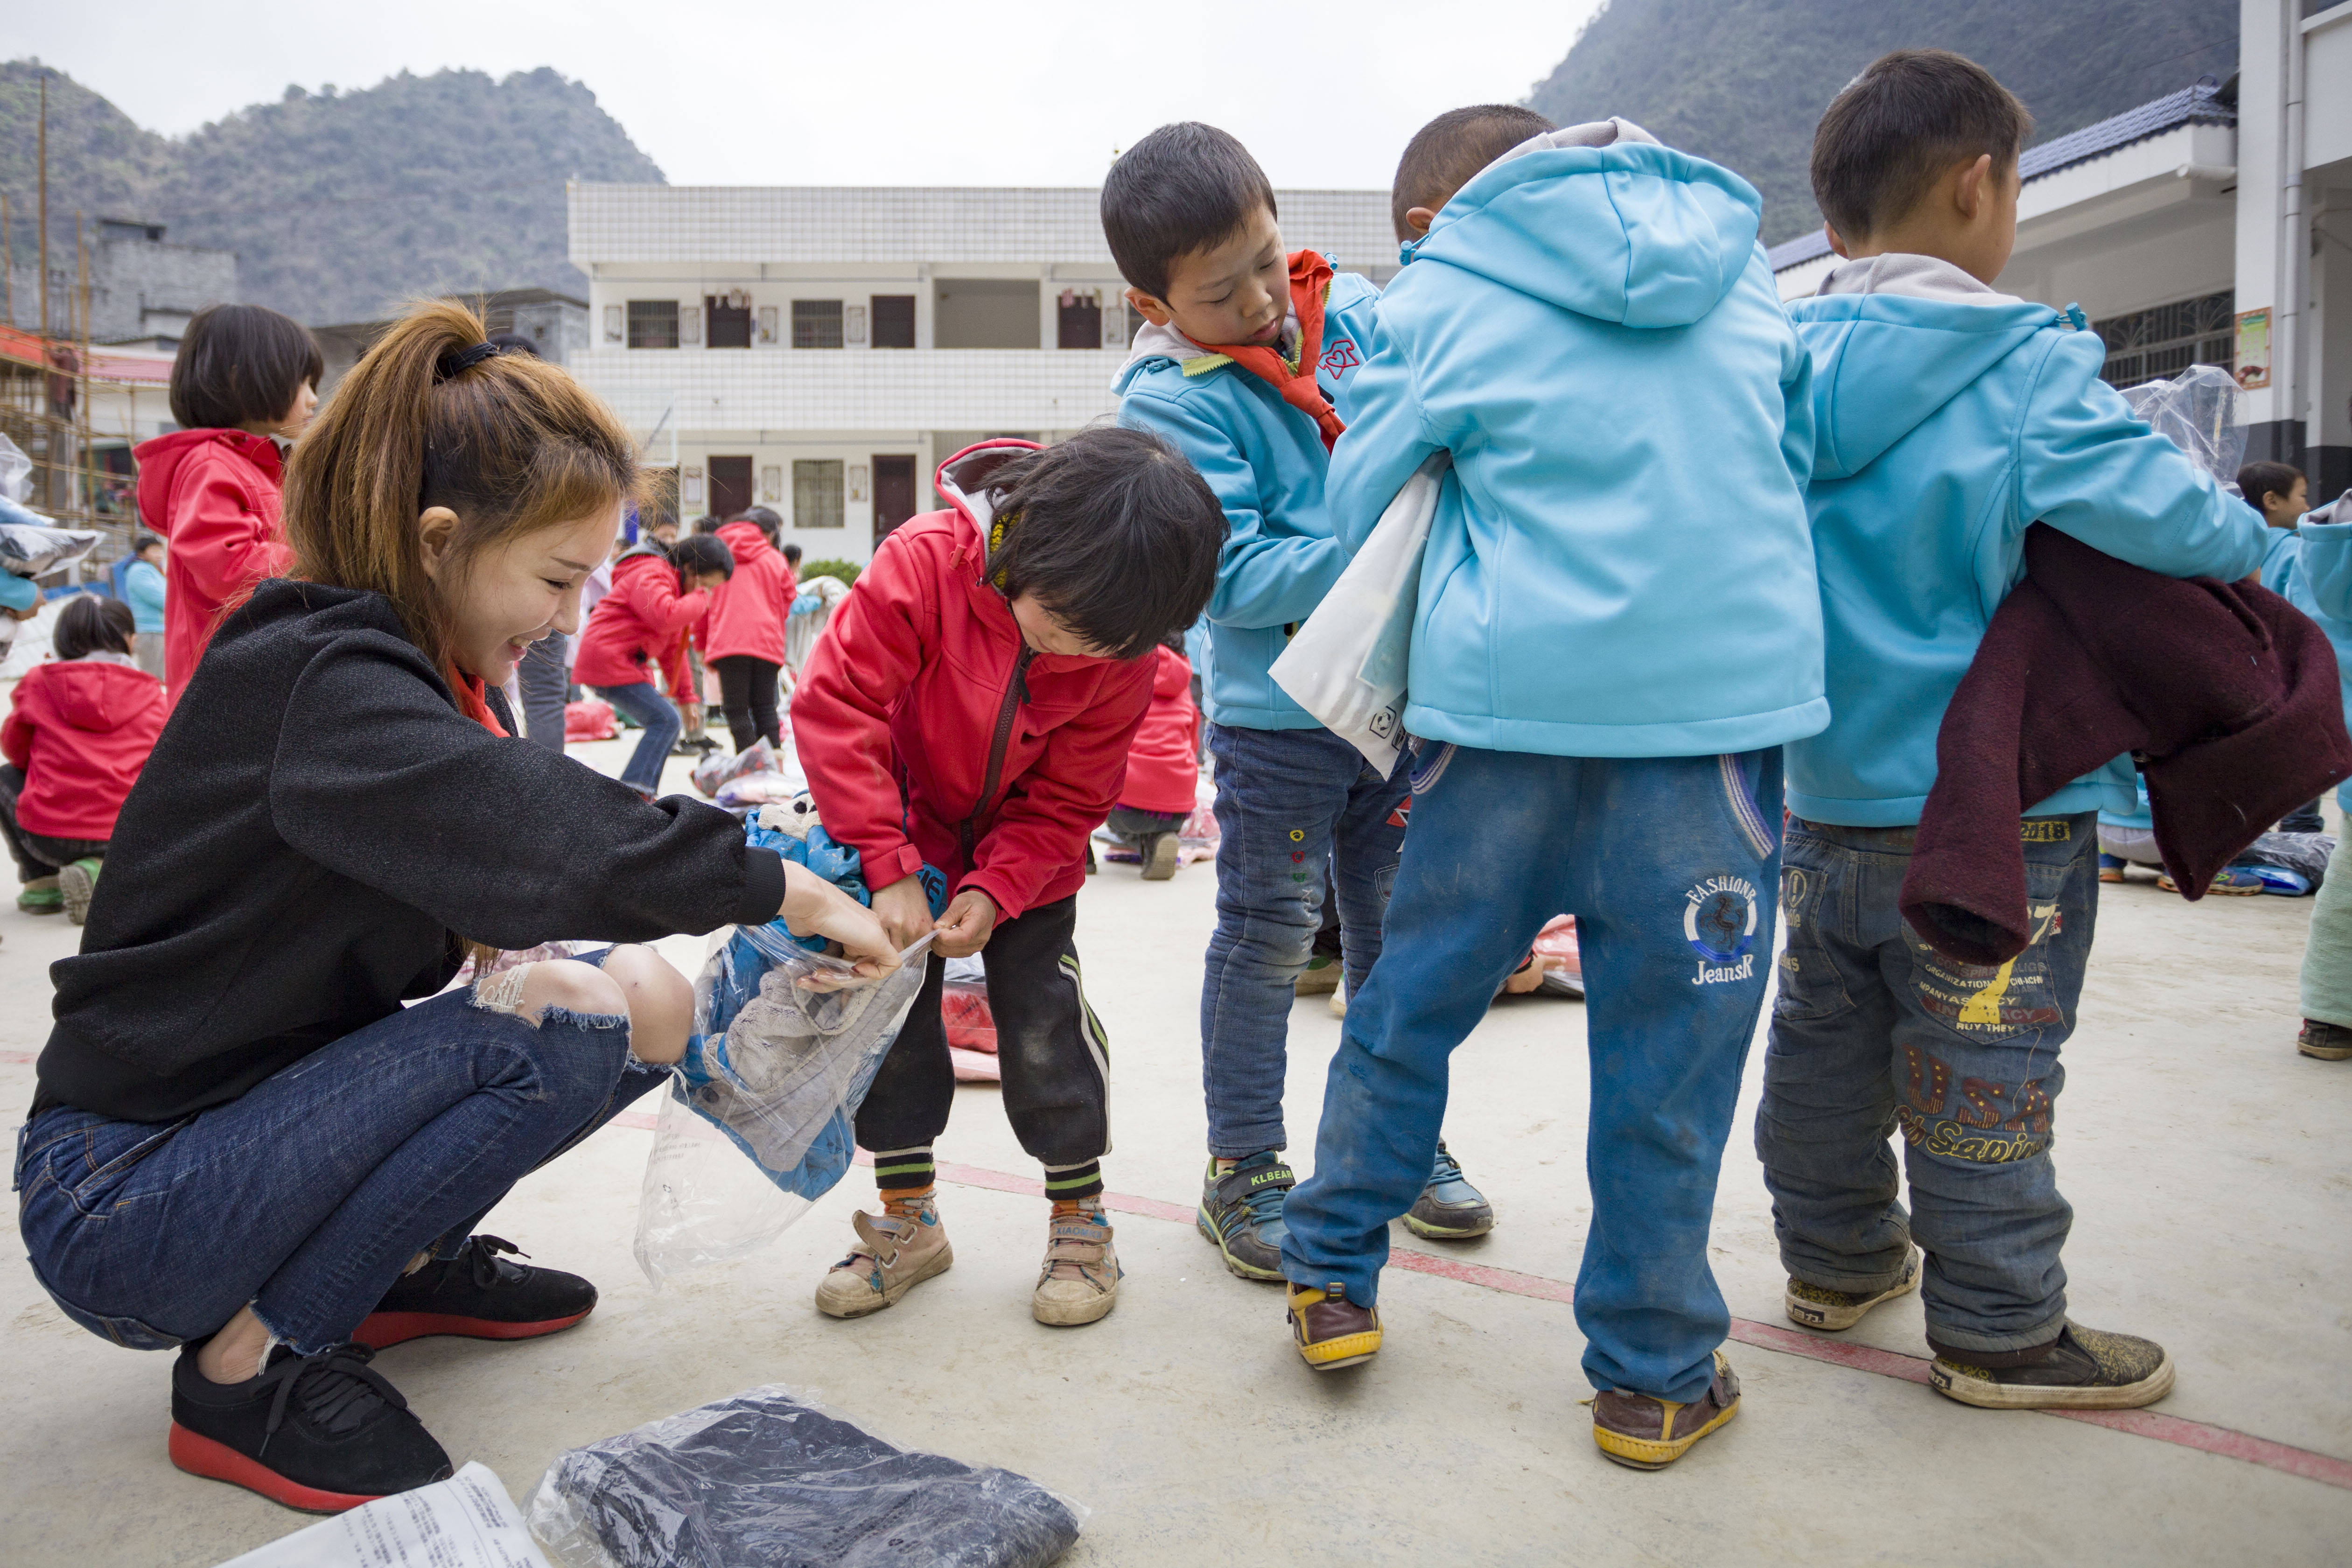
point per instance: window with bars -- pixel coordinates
(2148, 345)
(816, 324)
(816, 493)
(653, 323)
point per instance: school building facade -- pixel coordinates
(820, 350)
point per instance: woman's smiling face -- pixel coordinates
(514, 593)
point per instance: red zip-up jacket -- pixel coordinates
(748, 610)
(639, 625)
(1163, 766)
(81, 729)
(925, 723)
(215, 497)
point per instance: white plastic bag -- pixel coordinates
(32, 546)
(2197, 412)
(16, 471)
(465, 1521)
(1347, 665)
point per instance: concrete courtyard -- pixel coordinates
(2207, 1162)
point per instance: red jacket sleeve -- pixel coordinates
(841, 714)
(17, 734)
(1042, 827)
(220, 537)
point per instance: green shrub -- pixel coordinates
(844, 570)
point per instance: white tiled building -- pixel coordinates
(820, 349)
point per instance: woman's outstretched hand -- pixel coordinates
(814, 907)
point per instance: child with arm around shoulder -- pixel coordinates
(966, 718)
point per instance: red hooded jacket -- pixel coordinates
(640, 624)
(215, 497)
(1163, 766)
(81, 729)
(748, 610)
(925, 723)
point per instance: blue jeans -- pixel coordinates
(1872, 1034)
(307, 1195)
(1290, 803)
(546, 681)
(1668, 865)
(662, 725)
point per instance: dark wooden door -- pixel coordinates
(730, 486)
(894, 493)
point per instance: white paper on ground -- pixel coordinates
(465, 1521)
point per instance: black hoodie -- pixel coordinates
(317, 829)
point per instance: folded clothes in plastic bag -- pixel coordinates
(762, 1480)
(2292, 864)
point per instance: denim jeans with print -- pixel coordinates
(1290, 803)
(307, 1195)
(1873, 1034)
(1667, 863)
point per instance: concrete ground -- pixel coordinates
(2204, 1157)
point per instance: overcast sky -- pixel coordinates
(857, 92)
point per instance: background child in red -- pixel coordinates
(1163, 766)
(639, 628)
(744, 640)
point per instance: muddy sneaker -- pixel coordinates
(2229, 882)
(321, 1433)
(894, 1254)
(1079, 1282)
(1449, 1207)
(1819, 1307)
(478, 1295)
(76, 883)
(1330, 1331)
(1643, 1433)
(2111, 867)
(1320, 977)
(40, 897)
(2328, 1042)
(1241, 1211)
(1159, 855)
(2082, 1369)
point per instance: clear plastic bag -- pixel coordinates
(2197, 412)
(763, 1480)
(16, 471)
(31, 546)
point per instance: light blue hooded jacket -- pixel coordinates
(1620, 564)
(1266, 462)
(1948, 419)
(2310, 566)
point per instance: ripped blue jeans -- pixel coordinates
(309, 1193)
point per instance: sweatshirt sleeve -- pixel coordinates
(19, 593)
(2324, 556)
(219, 538)
(2088, 466)
(16, 729)
(377, 777)
(1263, 578)
(1042, 824)
(841, 716)
(1389, 436)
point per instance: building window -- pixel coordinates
(612, 328)
(816, 493)
(730, 324)
(1079, 315)
(767, 326)
(2148, 345)
(816, 323)
(894, 321)
(986, 314)
(653, 323)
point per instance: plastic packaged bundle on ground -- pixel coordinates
(2290, 864)
(760, 775)
(969, 1022)
(2197, 412)
(590, 719)
(762, 1480)
(33, 546)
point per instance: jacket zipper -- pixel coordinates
(1016, 692)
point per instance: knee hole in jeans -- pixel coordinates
(529, 990)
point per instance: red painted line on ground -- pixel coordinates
(1835, 1352)
(2325, 1469)
(18, 1058)
(643, 1120)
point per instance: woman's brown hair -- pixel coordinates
(508, 443)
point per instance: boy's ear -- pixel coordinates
(1419, 219)
(1837, 242)
(1151, 310)
(1975, 186)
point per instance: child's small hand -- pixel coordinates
(904, 909)
(965, 929)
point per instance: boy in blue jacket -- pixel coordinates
(1617, 629)
(1949, 418)
(1245, 366)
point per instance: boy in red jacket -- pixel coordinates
(743, 639)
(970, 712)
(1163, 767)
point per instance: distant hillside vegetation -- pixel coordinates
(1743, 82)
(337, 205)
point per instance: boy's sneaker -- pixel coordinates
(1449, 1207)
(2082, 1369)
(1643, 1433)
(894, 1254)
(321, 1433)
(2111, 867)
(2328, 1042)
(1321, 976)
(76, 883)
(1160, 853)
(478, 1295)
(40, 897)
(1330, 1331)
(1241, 1211)
(1819, 1307)
(1079, 1282)
(2230, 882)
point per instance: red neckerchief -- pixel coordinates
(473, 700)
(1310, 282)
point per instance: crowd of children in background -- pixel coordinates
(1705, 574)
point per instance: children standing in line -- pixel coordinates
(1951, 418)
(1163, 769)
(968, 717)
(640, 626)
(246, 379)
(744, 637)
(142, 584)
(1618, 627)
(1245, 367)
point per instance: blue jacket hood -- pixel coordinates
(1628, 232)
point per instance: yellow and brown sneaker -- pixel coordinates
(894, 1254)
(1819, 1307)
(2082, 1369)
(1079, 1282)
(1330, 1331)
(1644, 1433)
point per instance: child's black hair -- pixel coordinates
(143, 542)
(709, 522)
(2256, 480)
(1446, 154)
(1182, 189)
(241, 365)
(92, 623)
(1895, 129)
(793, 554)
(702, 552)
(1113, 532)
(764, 518)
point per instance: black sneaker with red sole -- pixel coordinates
(478, 1295)
(320, 1433)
